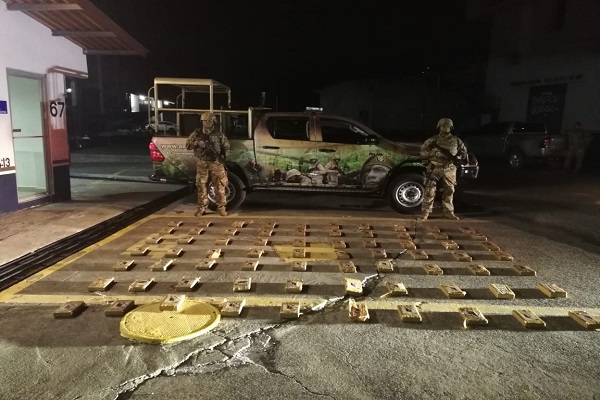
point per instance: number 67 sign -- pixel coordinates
(57, 108)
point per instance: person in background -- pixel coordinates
(211, 148)
(442, 152)
(578, 141)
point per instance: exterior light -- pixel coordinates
(142, 97)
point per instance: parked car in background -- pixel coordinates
(163, 127)
(517, 142)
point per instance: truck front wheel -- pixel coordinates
(234, 191)
(405, 193)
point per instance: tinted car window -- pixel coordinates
(528, 128)
(337, 131)
(288, 128)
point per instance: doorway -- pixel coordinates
(25, 94)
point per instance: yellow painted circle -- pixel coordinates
(149, 324)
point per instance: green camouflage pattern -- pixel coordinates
(211, 148)
(208, 146)
(349, 166)
(216, 173)
(359, 166)
(445, 176)
(266, 161)
(449, 142)
(440, 170)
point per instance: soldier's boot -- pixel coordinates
(222, 212)
(423, 216)
(450, 215)
(199, 212)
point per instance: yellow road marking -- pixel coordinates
(304, 300)
(118, 173)
(304, 217)
(11, 291)
(484, 308)
(102, 299)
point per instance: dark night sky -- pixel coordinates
(291, 48)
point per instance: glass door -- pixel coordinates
(25, 96)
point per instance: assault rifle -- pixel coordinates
(209, 147)
(454, 159)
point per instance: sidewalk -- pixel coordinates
(96, 198)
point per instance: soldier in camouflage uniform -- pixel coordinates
(441, 168)
(334, 167)
(211, 148)
(316, 172)
(579, 140)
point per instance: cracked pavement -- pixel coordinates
(319, 355)
(322, 355)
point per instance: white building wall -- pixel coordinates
(528, 48)
(29, 47)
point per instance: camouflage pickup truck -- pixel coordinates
(298, 152)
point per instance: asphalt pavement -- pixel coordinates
(542, 200)
(546, 220)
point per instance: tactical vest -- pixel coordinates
(213, 138)
(448, 142)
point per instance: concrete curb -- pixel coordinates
(108, 158)
(123, 178)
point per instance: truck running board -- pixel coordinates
(314, 189)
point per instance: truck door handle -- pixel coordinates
(327, 150)
(270, 147)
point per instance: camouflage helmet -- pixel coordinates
(445, 121)
(208, 116)
(293, 172)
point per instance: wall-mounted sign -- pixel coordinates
(552, 79)
(3, 107)
(546, 104)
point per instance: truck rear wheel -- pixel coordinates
(234, 191)
(405, 193)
